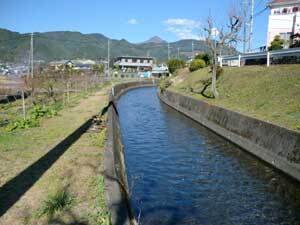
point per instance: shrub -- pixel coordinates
(34, 119)
(206, 57)
(164, 84)
(197, 64)
(22, 124)
(175, 64)
(56, 202)
(276, 44)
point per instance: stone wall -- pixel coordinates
(116, 185)
(275, 145)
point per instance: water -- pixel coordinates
(181, 173)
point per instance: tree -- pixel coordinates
(175, 64)
(206, 57)
(197, 64)
(277, 43)
(217, 39)
(98, 68)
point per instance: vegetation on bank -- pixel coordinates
(268, 93)
(72, 189)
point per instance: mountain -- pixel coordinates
(57, 45)
(155, 40)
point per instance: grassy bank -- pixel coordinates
(71, 191)
(271, 94)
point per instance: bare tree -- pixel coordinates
(217, 39)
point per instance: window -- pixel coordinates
(295, 9)
(285, 11)
(285, 36)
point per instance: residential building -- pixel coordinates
(284, 20)
(132, 64)
(160, 71)
(77, 64)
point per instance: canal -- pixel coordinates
(182, 173)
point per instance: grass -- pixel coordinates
(268, 93)
(56, 202)
(79, 168)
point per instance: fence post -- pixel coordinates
(239, 62)
(113, 91)
(268, 59)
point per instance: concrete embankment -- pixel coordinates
(275, 145)
(116, 185)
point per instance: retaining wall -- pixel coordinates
(275, 145)
(116, 184)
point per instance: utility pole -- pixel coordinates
(108, 56)
(251, 27)
(193, 49)
(245, 3)
(178, 53)
(168, 51)
(31, 55)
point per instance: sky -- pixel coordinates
(133, 20)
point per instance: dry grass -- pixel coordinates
(78, 170)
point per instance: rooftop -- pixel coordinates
(275, 3)
(134, 57)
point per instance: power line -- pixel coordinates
(260, 12)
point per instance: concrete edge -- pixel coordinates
(115, 177)
(280, 163)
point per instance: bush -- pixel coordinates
(34, 119)
(175, 64)
(276, 44)
(206, 57)
(197, 64)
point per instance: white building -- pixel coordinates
(160, 71)
(134, 64)
(284, 20)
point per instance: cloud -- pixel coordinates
(184, 28)
(133, 21)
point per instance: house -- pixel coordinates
(133, 64)
(83, 64)
(284, 20)
(160, 71)
(57, 65)
(76, 64)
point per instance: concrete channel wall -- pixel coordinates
(275, 145)
(115, 177)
